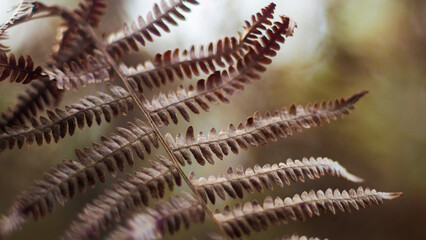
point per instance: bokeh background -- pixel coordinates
(339, 48)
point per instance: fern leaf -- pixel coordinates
(218, 85)
(189, 62)
(4, 48)
(166, 217)
(121, 42)
(297, 237)
(62, 181)
(234, 182)
(213, 236)
(259, 21)
(186, 64)
(18, 71)
(91, 109)
(72, 44)
(23, 9)
(258, 130)
(125, 197)
(90, 11)
(93, 69)
(253, 216)
(41, 92)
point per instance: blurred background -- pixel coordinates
(339, 48)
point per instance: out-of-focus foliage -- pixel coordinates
(374, 45)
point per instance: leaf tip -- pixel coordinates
(392, 195)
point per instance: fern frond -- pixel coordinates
(189, 62)
(125, 197)
(233, 183)
(258, 130)
(121, 42)
(18, 71)
(167, 217)
(60, 122)
(23, 9)
(62, 181)
(186, 64)
(90, 11)
(92, 69)
(259, 21)
(3, 47)
(40, 93)
(218, 85)
(253, 216)
(72, 44)
(297, 237)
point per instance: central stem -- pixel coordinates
(100, 46)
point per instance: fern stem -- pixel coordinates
(152, 124)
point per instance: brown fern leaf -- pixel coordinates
(23, 9)
(90, 11)
(3, 47)
(38, 95)
(125, 197)
(292, 237)
(252, 216)
(72, 44)
(41, 92)
(258, 130)
(121, 42)
(18, 71)
(234, 182)
(61, 182)
(297, 237)
(60, 122)
(186, 64)
(92, 69)
(259, 21)
(218, 85)
(166, 217)
(189, 62)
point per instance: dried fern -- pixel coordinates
(297, 237)
(72, 44)
(39, 95)
(121, 42)
(69, 176)
(234, 182)
(60, 122)
(124, 198)
(18, 71)
(252, 216)
(90, 11)
(43, 92)
(3, 47)
(80, 58)
(93, 69)
(22, 9)
(218, 85)
(189, 63)
(153, 224)
(257, 130)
